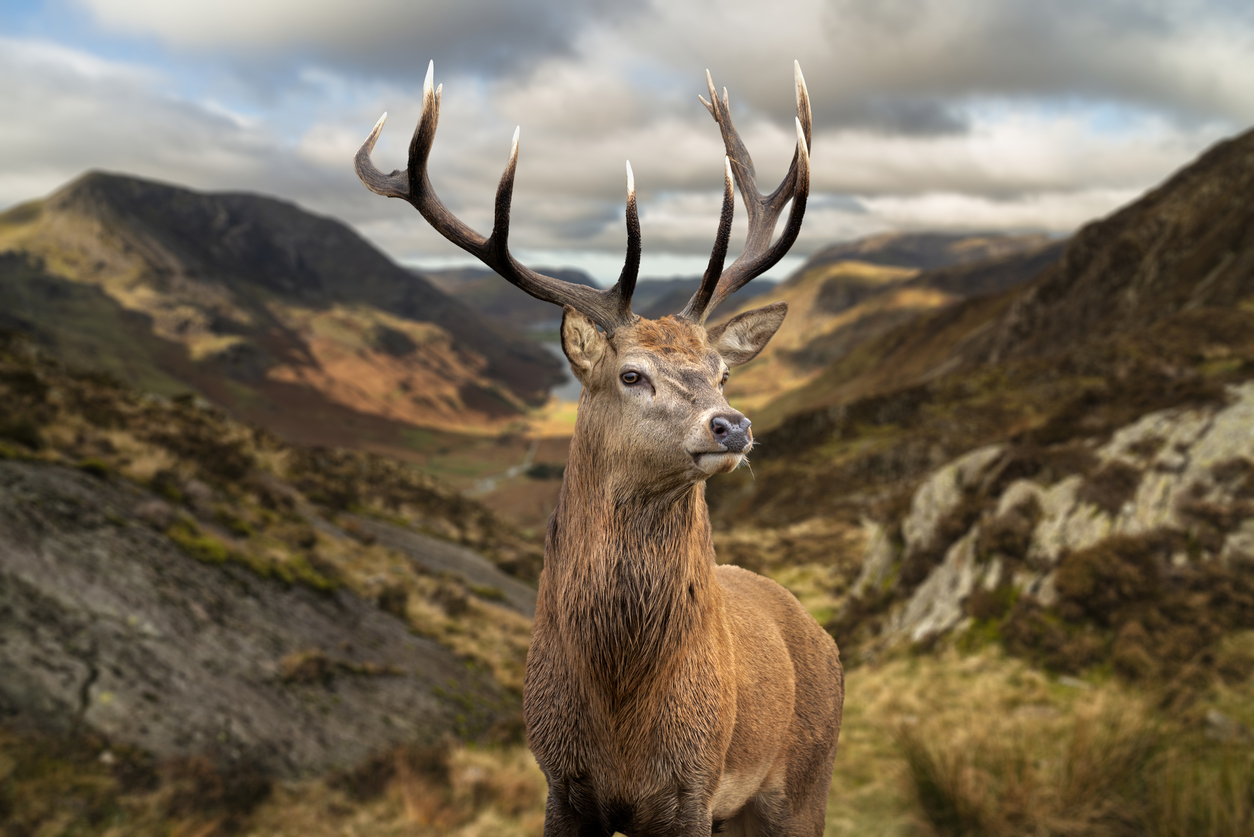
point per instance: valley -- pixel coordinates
(1012, 475)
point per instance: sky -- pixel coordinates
(944, 115)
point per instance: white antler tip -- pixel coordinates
(631, 179)
(427, 83)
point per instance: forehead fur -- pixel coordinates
(669, 337)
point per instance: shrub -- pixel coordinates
(98, 468)
(23, 431)
(1114, 484)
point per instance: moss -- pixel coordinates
(200, 546)
(300, 569)
(98, 468)
(234, 524)
(492, 594)
(166, 484)
(297, 569)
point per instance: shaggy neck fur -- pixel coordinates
(633, 570)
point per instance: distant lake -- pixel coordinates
(569, 389)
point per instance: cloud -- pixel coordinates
(367, 36)
(871, 64)
(957, 115)
(73, 111)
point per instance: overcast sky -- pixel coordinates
(929, 114)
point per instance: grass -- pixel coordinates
(947, 744)
(984, 744)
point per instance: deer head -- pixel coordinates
(645, 378)
(653, 395)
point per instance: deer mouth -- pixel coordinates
(717, 461)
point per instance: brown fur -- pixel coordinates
(665, 695)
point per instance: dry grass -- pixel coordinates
(946, 744)
(985, 744)
(457, 791)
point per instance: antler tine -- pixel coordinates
(758, 255)
(609, 309)
(696, 306)
(626, 285)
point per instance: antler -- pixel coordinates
(609, 309)
(758, 255)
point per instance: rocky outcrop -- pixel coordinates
(1183, 477)
(108, 626)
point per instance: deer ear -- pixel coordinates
(741, 338)
(581, 342)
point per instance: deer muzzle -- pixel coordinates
(731, 431)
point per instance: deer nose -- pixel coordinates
(731, 430)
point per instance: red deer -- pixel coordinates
(664, 695)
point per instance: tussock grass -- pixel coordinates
(984, 744)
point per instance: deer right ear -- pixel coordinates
(741, 338)
(581, 342)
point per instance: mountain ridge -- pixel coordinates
(260, 293)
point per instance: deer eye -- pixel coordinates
(723, 380)
(630, 378)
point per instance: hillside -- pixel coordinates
(496, 299)
(926, 251)
(186, 586)
(838, 301)
(499, 301)
(992, 465)
(282, 317)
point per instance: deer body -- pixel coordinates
(664, 694)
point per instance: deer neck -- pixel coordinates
(629, 576)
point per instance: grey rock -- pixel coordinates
(941, 493)
(108, 625)
(936, 605)
(1176, 452)
(441, 556)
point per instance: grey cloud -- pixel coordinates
(369, 38)
(914, 66)
(904, 115)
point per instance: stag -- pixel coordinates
(664, 694)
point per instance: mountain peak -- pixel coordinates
(281, 315)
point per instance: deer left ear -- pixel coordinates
(581, 342)
(741, 338)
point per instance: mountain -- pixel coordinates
(1060, 467)
(496, 299)
(838, 302)
(281, 316)
(927, 251)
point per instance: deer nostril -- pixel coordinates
(720, 427)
